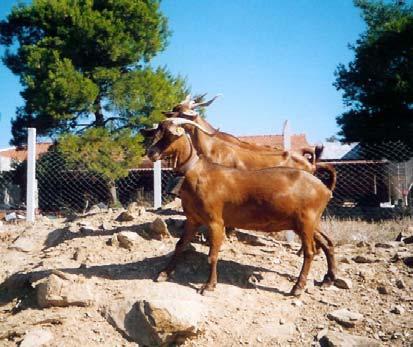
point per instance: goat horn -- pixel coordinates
(181, 121)
(206, 103)
(187, 99)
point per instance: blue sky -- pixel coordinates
(272, 60)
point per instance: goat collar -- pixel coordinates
(193, 158)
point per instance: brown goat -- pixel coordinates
(218, 196)
(186, 109)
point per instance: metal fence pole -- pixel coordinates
(31, 176)
(157, 185)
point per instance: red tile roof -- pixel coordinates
(20, 154)
(297, 140)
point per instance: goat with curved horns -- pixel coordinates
(186, 109)
(217, 196)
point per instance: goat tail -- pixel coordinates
(331, 171)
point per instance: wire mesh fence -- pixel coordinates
(70, 187)
(373, 182)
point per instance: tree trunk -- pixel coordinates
(113, 193)
(99, 118)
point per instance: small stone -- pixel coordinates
(400, 284)
(343, 283)
(159, 229)
(387, 245)
(408, 261)
(282, 321)
(80, 254)
(124, 217)
(56, 291)
(397, 309)
(113, 241)
(383, 290)
(127, 239)
(338, 339)
(345, 260)
(363, 244)
(36, 337)
(361, 259)
(297, 303)
(345, 317)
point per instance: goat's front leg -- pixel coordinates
(216, 237)
(189, 232)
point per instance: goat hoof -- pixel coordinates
(162, 277)
(327, 281)
(206, 287)
(296, 291)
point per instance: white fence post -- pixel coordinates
(157, 185)
(31, 176)
(287, 147)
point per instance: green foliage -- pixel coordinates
(378, 84)
(108, 153)
(78, 61)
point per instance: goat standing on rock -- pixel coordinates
(270, 200)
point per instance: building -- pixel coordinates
(15, 154)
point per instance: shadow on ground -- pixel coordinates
(193, 268)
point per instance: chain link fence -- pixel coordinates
(69, 187)
(373, 182)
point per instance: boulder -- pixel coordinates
(127, 239)
(36, 337)
(345, 317)
(159, 229)
(62, 292)
(156, 322)
(337, 339)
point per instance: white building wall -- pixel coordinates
(5, 164)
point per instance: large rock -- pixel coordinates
(337, 339)
(36, 337)
(64, 290)
(345, 317)
(156, 322)
(127, 239)
(159, 229)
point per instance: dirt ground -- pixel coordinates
(250, 305)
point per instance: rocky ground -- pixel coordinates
(88, 281)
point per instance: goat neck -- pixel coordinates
(187, 157)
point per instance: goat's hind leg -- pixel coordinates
(307, 238)
(189, 232)
(328, 248)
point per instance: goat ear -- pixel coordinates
(148, 132)
(190, 113)
(178, 131)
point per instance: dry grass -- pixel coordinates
(354, 231)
